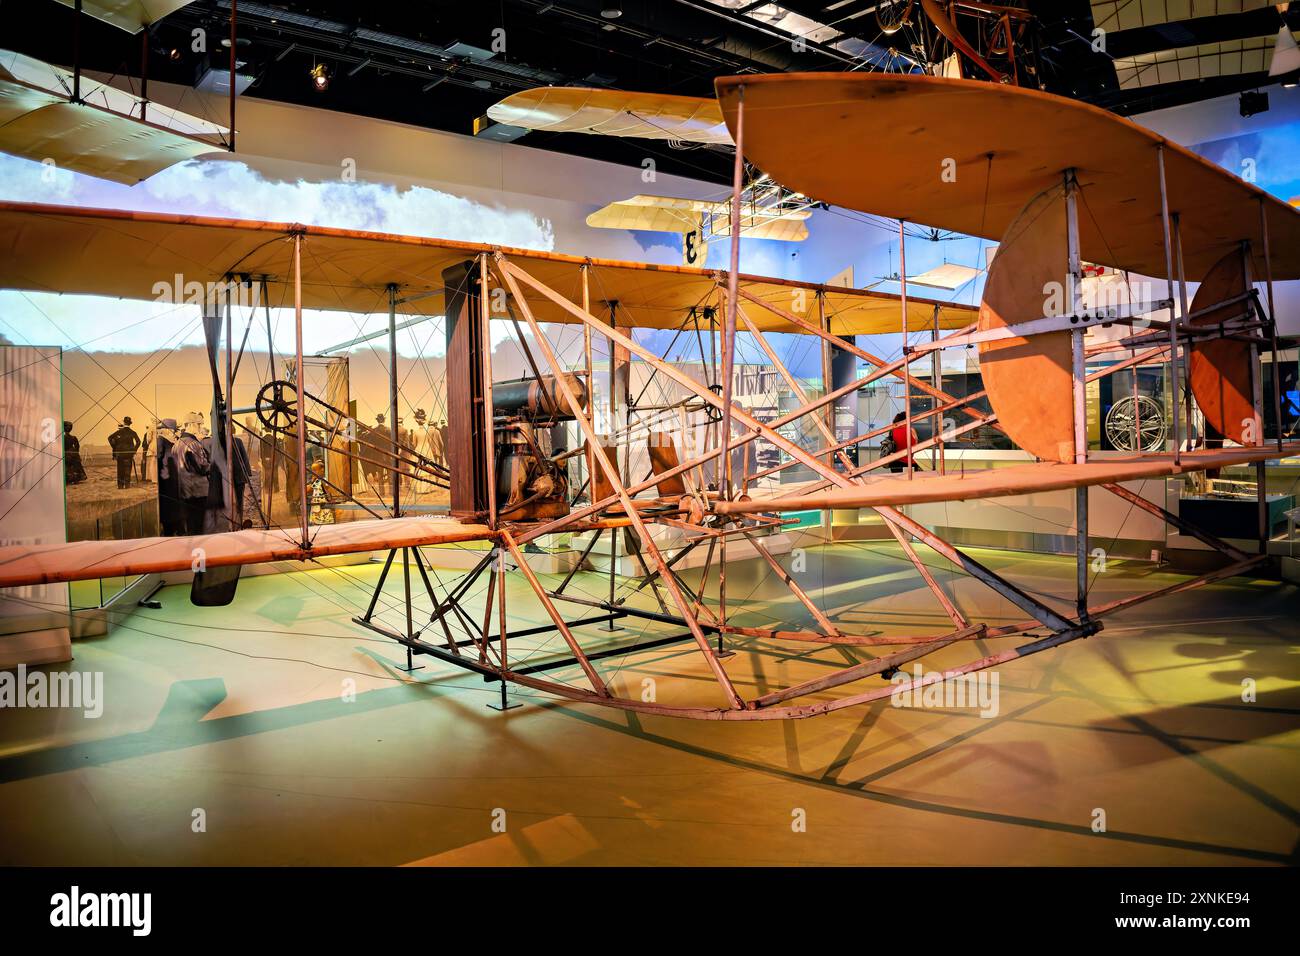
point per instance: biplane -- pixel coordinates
(1056, 182)
(70, 121)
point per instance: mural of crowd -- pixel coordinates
(186, 464)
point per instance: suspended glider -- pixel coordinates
(66, 119)
(768, 210)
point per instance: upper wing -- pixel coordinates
(572, 109)
(124, 254)
(966, 156)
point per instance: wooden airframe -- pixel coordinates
(122, 253)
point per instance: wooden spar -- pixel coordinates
(302, 390)
(590, 364)
(1074, 304)
(393, 431)
(616, 379)
(1272, 322)
(1175, 417)
(936, 376)
(828, 412)
(508, 272)
(949, 608)
(822, 620)
(1225, 572)
(227, 423)
(827, 416)
(1186, 527)
(907, 385)
(1079, 391)
(733, 283)
(482, 643)
(851, 640)
(867, 668)
(1176, 222)
(556, 618)
(489, 425)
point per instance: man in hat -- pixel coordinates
(171, 515)
(379, 440)
(439, 436)
(420, 434)
(124, 443)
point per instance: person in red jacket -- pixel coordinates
(903, 438)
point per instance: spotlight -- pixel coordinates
(320, 78)
(1252, 102)
(611, 11)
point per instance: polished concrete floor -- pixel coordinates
(290, 734)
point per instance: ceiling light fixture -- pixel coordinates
(611, 11)
(1252, 102)
(320, 78)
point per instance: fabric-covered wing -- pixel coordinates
(129, 15)
(671, 214)
(570, 109)
(23, 565)
(123, 254)
(102, 135)
(966, 156)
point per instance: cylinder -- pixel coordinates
(536, 398)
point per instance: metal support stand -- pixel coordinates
(411, 636)
(613, 571)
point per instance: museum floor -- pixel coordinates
(242, 712)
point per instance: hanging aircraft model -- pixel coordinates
(1023, 174)
(767, 209)
(69, 121)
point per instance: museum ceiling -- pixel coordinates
(434, 64)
